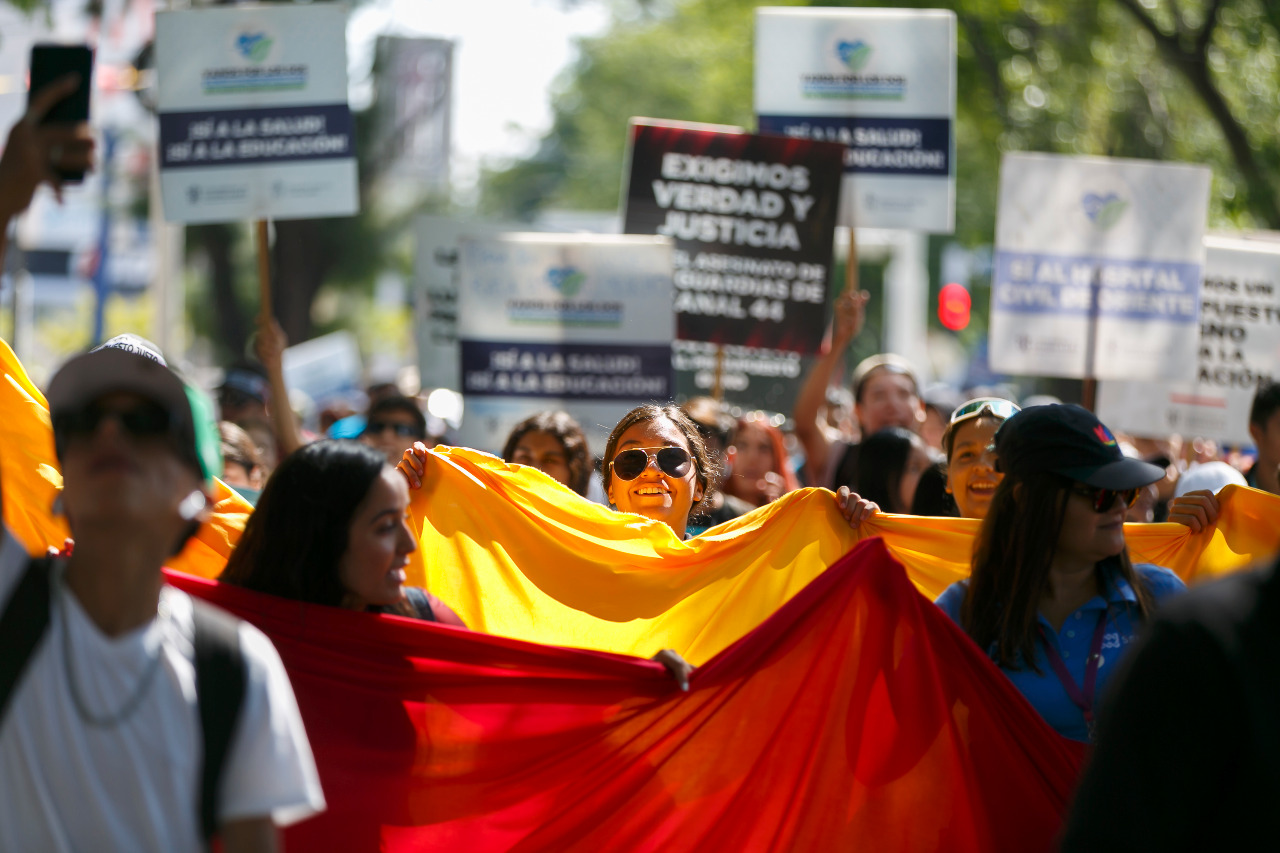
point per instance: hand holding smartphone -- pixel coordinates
(50, 63)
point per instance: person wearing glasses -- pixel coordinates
(1052, 596)
(968, 442)
(392, 425)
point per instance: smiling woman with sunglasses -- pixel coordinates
(656, 465)
(1052, 596)
(971, 471)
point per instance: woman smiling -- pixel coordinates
(1052, 597)
(971, 462)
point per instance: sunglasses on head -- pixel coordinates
(672, 461)
(997, 407)
(140, 420)
(1104, 499)
(401, 430)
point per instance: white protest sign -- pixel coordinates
(581, 323)
(1097, 267)
(1239, 349)
(882, 82)
(254, 122)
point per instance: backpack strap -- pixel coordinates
(220, 688)
(22, 625)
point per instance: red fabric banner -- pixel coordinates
(856, 717)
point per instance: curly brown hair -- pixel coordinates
(707, 470)
(571, 437)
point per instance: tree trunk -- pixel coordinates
(216, 240)
(301, 262)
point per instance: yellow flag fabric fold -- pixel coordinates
(517, 554)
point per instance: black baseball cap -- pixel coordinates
(1068, 440)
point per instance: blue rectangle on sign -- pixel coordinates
(877, 146)
(249, 136)
(1035, 283)
(567, 371)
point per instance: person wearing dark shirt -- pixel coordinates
(1188, 754)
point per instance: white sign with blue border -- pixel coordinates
(1097, 267)
(581, 323)
(881, 81)
(254, 121)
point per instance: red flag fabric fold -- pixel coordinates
(856, 717)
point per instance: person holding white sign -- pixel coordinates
(1053, 597)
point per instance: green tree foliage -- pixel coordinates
(1187, 80)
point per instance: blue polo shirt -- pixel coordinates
(1044, 691)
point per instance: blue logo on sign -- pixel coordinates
(854, 54)
(567, 280)
(254, 46)
(1103, 210)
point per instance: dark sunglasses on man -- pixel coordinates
(140, 420)
(400, 429)
(672, 461)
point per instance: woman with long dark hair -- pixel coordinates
(1053, 597)
(330, 528)
(890, 465)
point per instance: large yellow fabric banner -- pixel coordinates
(519, 555)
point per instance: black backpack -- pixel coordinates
(220, 672)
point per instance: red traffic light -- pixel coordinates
(953, 306)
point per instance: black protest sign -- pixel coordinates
(753, 219)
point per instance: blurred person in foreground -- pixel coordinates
(1053, 598)
(886, 393)
(1189, 734)
(135, 717)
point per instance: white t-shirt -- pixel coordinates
(69, 785)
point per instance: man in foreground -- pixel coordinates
(131, 716)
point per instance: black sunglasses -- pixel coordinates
(672, 461)
(1104, 499)
(402, 430)
(141, 420)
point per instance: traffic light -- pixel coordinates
(953, 306)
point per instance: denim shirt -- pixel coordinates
(1044, 691)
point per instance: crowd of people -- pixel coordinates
(123, 725)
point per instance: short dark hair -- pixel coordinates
(399, 403)
(707, 470)
(295, 538)
(565, 430)
(238, 447)
(1266, 402)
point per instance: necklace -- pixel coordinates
(68, 661)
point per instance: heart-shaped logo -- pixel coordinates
(567, 280)
(854, 54)
(1103, 210)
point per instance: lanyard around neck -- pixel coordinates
(1081, 698)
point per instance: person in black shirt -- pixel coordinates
(1188, 754)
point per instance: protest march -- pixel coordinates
(688, 532)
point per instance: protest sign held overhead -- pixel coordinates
(580, 323)
(254, 121)
(881, 82)
(1239, 350)
(1097, 267)
(753, 220)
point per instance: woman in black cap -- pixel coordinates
(1053, 597)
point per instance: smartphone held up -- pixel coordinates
(50, 64)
